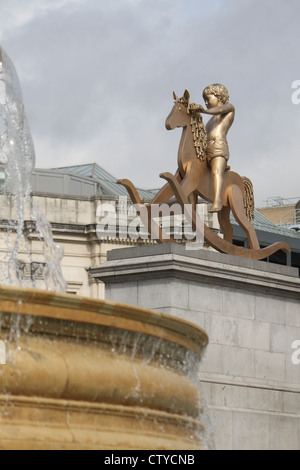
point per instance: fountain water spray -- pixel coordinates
(21, 217)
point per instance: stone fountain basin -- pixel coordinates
(92, 374)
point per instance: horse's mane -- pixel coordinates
(248, 197)
(199, 134)
(198, 129)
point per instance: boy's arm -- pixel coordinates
(224, 109)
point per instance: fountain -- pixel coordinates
(81, 373)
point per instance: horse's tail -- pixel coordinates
(248, 197)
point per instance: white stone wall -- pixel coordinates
(250, 381)
(72, 219)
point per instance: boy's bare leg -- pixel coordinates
(218, 166)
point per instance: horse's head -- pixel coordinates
(179, 116)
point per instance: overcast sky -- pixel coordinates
(98, 75)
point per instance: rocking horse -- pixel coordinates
(193, 178)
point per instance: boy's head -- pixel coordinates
(220, 91)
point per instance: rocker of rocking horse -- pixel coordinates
(194, 178)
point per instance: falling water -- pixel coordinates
(21, 221)
(161, 354)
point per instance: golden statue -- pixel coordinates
(203, 171)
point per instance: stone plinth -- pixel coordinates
(251, 312)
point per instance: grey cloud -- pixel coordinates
(98, 77)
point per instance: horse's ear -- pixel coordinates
(186, 96)
(175, 97)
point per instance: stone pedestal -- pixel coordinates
(251, 312)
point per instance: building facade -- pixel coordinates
(75, 199)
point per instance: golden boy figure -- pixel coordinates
(216, 98)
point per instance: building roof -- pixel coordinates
(108, 183)
(261, 223)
